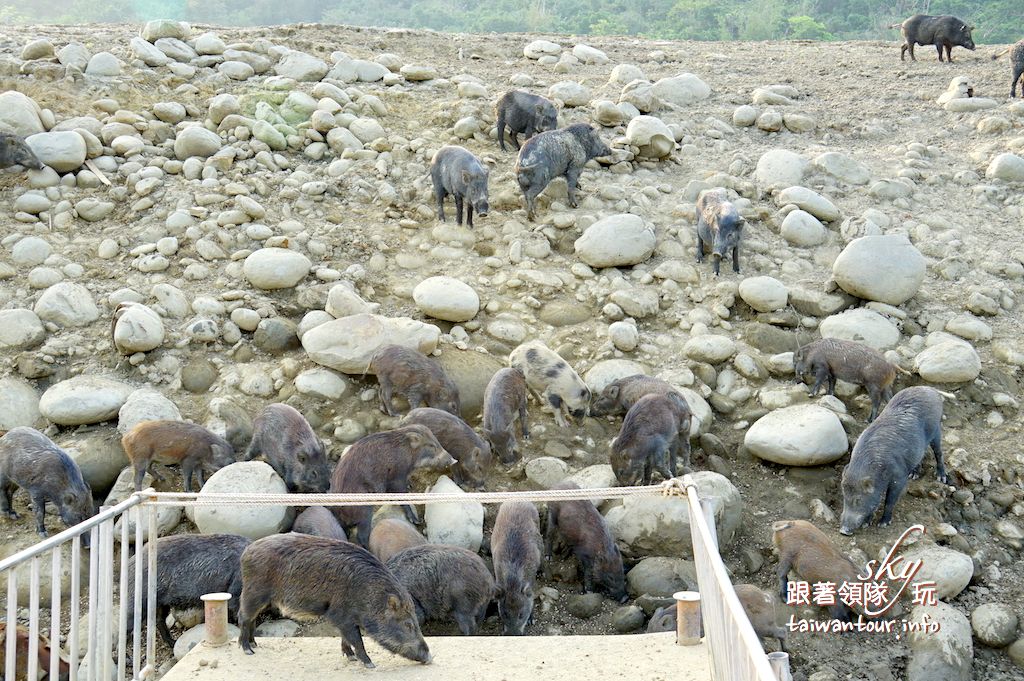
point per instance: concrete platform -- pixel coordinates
(651, 657)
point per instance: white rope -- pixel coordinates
(672, 487)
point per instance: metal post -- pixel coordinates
(12, 622)
(780, 665)
(216, 618)
(107, 595)
(151, 578)
(33, 620)
(708, 509)
(122, 599)
(687, 618)
(137, 619)
(94, 572)
(73, 598)
(55, 608)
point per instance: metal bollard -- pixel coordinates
(779, 662)
(216, 618)
(687, 618)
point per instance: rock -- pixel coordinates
(801, 435)
(606, 113)
(341, 140)
(446, 298)
(651, 136)
(147, 52)
(589, 55)
(1006, 167)
(709, 347)
(470, 371)
(275, 268)
(167, 517)
(343, 301)
(949, 569)
(970, 327)
(198, 375)
(967, 104)
(255, 522)
(744, 116)
(625, 73)
(20, 329)
(194, 636)
(770, 121)
(456, 523)
(366, 130)
(84, 399)
(137, 328)
(540, 48)
(62, 151)
(951, 361)
(842, 167)
(1016, 652)
(810, 201)
(276, 335)
(862, 325)
(994, 624)
(546, 471)
(627, 619)
(236, 70)
(301, 67)
(681, 90)
(278, 628)
(94, 210)
(604, 372)
(764, 294)
(624, 336)
(176, 49)
(145, 404)
(19, 114)
(165, 28)
(67, 304)
(210, 43)
(21, 404)
(800, 228)
(858, 268)
(616, 240)
(320, 383)
(944, 651)
(99, 456)
(660, 526)
(661, 576)
(103, 65)
(570, 93)
(584, 606)
(778, 169)
(639, 301)
(638, 94)
(196, 140)
(369, 72)
(795, 122)
(348, 344)
(418, 72)
(37, 49)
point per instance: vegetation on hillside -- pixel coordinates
(996, 21)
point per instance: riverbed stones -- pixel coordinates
(860, 267)
(616, 241)
(83, 400)
(800, 435)
(275, 268)
(446, 298)
(244, 477)
(348, 344)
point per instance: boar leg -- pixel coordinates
(572, 178)
(469, 213)
(910, 46)
(410, 514)
(140, 473)
(785, 565)
(523, 428)
(157, 475)
(363, 528)
(253, 601)
(700, 243)
(556, 402)
(892, 494)
(414, 398)
(39, 507)
(736, 259)
(161, 625)
(459, 201)
(940, 467)
(6, 497)
(385, 398)
(549, 539)
(188, 470)
(351, 635)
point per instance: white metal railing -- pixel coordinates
(735, 649)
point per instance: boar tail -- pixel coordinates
(896, 25)
(900, 369)
(997, 55)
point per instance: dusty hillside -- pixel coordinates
(172, 232)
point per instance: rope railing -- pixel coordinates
(668, 487)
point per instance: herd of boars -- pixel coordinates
(383, 579)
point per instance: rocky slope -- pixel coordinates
(217, 198)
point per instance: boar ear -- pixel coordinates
(613, 392)
(394, 603)
(465, 176)
(499, 592)
(527, 591)
(867, 484)
(416, 440)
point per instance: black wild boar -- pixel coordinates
(806, 550)
(415, 377)
(516, 550)
(283, 437)
(317, 577)
(188, 566)
(556, 153)
(469, 449)
(889, 452)
(552, 380)
(524, 113)
(943, 31)
(584, 530)
(457, 172)
(654, 431)
(30, 460)
(663, 619)
(21, 645)
(622, 393)
(319, 522)
(504, 404)
(719, 228)
(15, 152)
(446, 582)
(381, 463)
(391, 536)
(193, 447)
(829, 359)
(1016, 52)
(760, 609)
